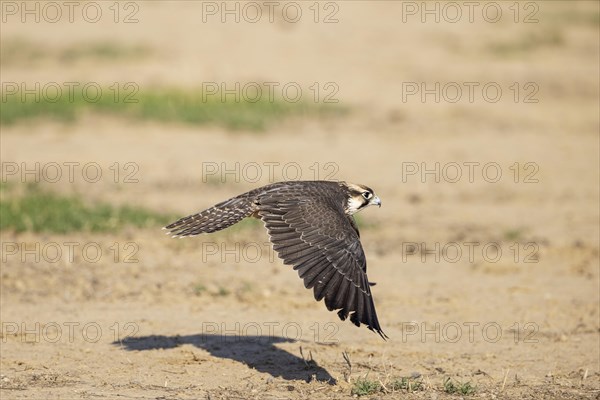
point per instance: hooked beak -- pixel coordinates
(375, 201)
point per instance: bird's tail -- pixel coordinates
(215, 218)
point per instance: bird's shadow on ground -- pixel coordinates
(258, 352)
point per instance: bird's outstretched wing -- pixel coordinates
(219, 216)
(321, 243)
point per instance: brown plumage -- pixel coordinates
(311, 227)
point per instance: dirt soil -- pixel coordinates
(488, 279)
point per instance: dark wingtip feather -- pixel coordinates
(354, 319)
(380, 332)
(343, 314)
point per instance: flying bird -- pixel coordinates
(311, 227)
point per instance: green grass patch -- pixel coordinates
(245, 225)
(452, 386)
(513, 234)
(408, 384)
(6, 186)
(103, 51)
(527, 43)
(37, 210)
(364, 222)
(569, 14)
(20, 51)
(199, 289)
(365, 387)
(23, 52)
(167, 105)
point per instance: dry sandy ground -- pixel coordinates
(221, 317)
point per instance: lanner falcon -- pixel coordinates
(311, 226)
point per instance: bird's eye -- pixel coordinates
(367, 195)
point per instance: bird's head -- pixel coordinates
(359, 197)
